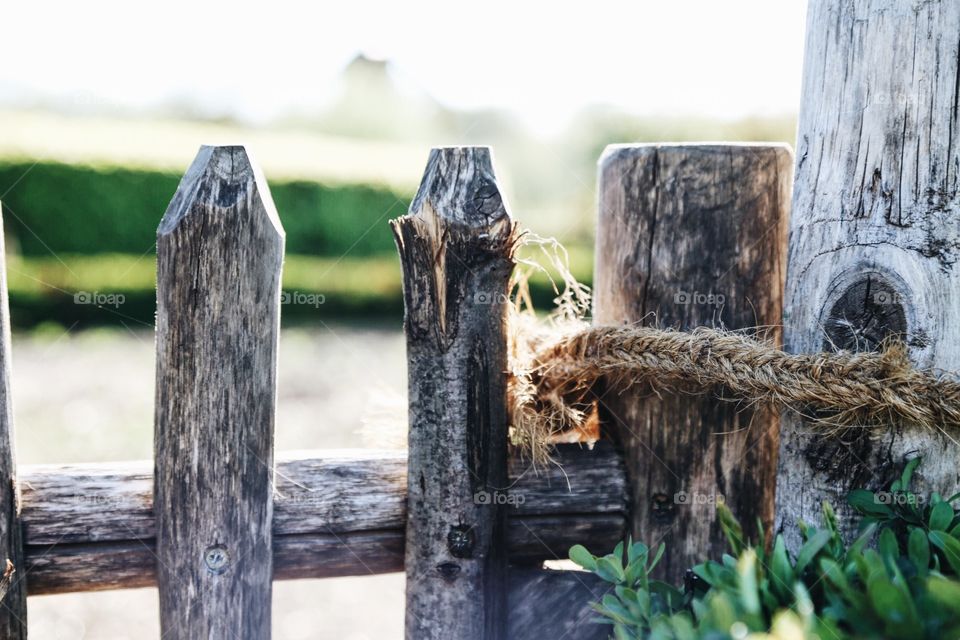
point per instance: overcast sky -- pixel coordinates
(542, 60)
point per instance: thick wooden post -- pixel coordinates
(219, 255)
(13, 585)
(875, 236)
(456, 247)
(692, 235)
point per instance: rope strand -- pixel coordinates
(850, 389)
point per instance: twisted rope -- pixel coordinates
(850, 389)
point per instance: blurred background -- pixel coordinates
(104, 104)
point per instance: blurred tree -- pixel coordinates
(372, 103)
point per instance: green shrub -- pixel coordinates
(59, 208)
(905, 587)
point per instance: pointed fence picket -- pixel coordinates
(219, 253)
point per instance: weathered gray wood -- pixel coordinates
(80, 503)
(67, 568)
(219, 255)
(875, 235)
(692, 235)
(456, 248)
(339, 490)
(6, 579)
(13, 605)
(583, 481)
(316, 491)
(533, 539)
(91, 526)
(541, 603)
(555, 605)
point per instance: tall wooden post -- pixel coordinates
(875, 236)
(219, 254)
(13, 574)
(456, 247)
(692, 235)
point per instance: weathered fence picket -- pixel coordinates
(13, 574)
(457, 251)
(692, 235)
(874, 234)
(219, 256)
(456, 248)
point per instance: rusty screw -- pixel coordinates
(217, 558)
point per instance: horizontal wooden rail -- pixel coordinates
(90, 527)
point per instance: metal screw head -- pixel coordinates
(217, 558)
(460, 541)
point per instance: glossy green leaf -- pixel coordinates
(907, 475)
(811, 548)
(940, 517)
(889, 549)
(918, 548)
(950, 547)
(867, 502)
(579, 554)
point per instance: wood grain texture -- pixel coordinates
(90, 527)
(338, 490)
(692, 235)
(533, 539)
(13, 605)
(456, 248)
(555, 605)
(219, 256)
(81, 503)
(875, 235)
(101, 566)
(541, 603)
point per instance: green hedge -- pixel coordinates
(43, 289)
(61, 208)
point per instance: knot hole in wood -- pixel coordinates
(866, 313)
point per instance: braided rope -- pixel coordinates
(853, 389)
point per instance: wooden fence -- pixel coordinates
(687, 235)
(217, 519)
